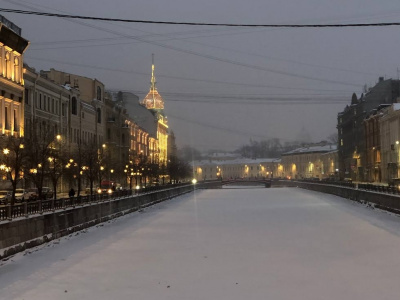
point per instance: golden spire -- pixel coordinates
(153, 99)
(153, 80)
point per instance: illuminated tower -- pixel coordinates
(153, 99)
(154, 102)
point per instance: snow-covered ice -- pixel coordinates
(282, 243)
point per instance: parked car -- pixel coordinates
(33, 193)
(21, 195)
(5, 196)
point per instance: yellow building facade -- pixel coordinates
(315, 161)
(12, 47)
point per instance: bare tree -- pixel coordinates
(91, 160)
(12, 161)
(58, 159)
(333, 138)
(39, 139)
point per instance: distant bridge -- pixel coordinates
(253, 182)
(217, 184)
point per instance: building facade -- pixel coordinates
(317, 161)
(12, 48)
(389, 123)
(155, 103)
(351, 129)
(239, 168)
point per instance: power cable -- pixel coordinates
(256, 67)
(184, 78)
(68, 16)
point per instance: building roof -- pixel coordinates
(137, 112)
(238, 161)
(312, 149)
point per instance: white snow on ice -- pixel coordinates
(282, 243)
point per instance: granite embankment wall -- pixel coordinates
(26, 232)
(385, 201)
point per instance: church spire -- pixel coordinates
(153, 99)
(153, 77)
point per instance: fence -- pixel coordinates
(9, 212)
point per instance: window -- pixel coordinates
(8, 65)
(52, 105)
(74, 108)
(40, 101)
(44, 102)
(99, 115)
(341, 142)
(16, 70)
(15, 121)
(6, 125)
(98, 93)
(108, 133)
(26, 96)
(63, 109)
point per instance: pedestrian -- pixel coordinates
(71, 193)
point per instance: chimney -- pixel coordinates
(381, 79)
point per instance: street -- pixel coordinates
(254, 243)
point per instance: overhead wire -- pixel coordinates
(69, 16)
(186, 78)
(233, 62)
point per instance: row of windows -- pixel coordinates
(10, 66)
(46, 103)
(84, 136)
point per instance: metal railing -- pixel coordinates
(394, 190)
(24, 209)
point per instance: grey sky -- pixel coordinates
(230, 64)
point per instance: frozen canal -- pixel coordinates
(221, 244)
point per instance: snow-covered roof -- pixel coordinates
(311, 149)
(238, 161)
(396, 106)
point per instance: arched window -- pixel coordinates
(98, 115)
(74, 108)
(99, 93)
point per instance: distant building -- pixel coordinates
(12, 48)
(351, 129)
(234, 168)
(389, 123)
(373, 167)
(315, 161)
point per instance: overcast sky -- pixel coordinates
(223, 86)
